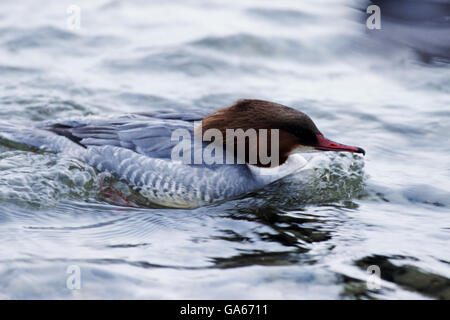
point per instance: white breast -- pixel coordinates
(268, 175)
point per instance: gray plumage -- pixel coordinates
(137, 148)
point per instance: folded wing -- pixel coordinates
(147, 133)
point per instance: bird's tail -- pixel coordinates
(31, 136)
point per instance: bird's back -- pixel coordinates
(137, 148)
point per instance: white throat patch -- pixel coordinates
(268, 175)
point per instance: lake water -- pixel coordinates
(386, 90)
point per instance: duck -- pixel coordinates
(187, 159)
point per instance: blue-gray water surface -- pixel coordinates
(311, 235)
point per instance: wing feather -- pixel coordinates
(146, 133)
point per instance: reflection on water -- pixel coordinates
(420, 25)
(409, 277)
(311, 235)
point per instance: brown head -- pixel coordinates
(296, 129)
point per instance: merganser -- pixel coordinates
(138, 148)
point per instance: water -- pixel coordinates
(308, 236)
